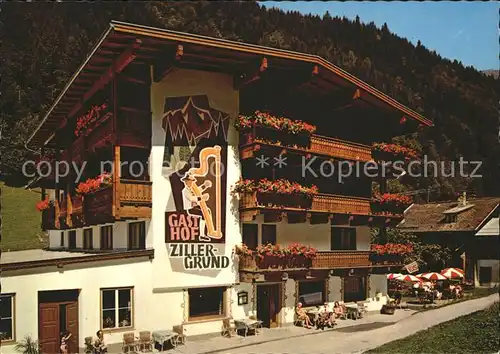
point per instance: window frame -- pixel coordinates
(72, 237)
(246, 235)
(12, 317)
(143, 238)
(108, 238)
(273, 227)
(352, 233)
(85, 236)
(117, 309)
(324, 291)
(191, 318)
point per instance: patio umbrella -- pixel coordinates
(392, 276)
(453, 273)
(433, 276)
(408, 277)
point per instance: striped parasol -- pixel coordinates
(392, 276)
(433, 276)
(408, 277)
(453, 273)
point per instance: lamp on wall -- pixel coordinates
(284, 276)
(351, 272)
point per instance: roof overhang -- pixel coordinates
(123, 43)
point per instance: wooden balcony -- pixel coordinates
(323, 260)
(318, 145)
(129, 200)
(322, 205)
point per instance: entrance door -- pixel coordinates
(72, 325)
(485, 275)
(268, 304)
(49, 328)
(58, 312)
(354, 289)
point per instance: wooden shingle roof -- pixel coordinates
(431, 217)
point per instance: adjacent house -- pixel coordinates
(470, 227)
(158, 128)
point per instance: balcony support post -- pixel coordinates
(116, 182)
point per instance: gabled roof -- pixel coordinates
(431, 217)
(491, 228)
(123, 42)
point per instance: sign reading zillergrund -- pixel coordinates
(198, 256)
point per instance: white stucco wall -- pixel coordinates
(222, 96)
(120, 236)
(90, 278)
(495, 270)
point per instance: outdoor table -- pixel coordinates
(313, 314)
(247, 324)
(352, 311)
(163, 336)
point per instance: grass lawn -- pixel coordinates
(21, 222)
(474, 333)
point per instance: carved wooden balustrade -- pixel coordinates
(130, 199)
(322, 260)
(252, 204)
(318, 145)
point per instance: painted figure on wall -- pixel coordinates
(194, 160)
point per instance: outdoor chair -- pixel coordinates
(228, 328)
(362, 310)
(145, 341)
(129, 343)
(298, 321)
(89, 345)
(181, 337)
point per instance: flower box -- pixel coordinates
(268, 128)
(392, 152)
(284, 200)
(390, 203)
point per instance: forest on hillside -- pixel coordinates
(43, 43)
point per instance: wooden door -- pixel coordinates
(72, 326)
(268, 304)
(48, 328)
(274, 304)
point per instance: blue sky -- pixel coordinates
(466, 31)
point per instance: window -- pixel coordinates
(107, 237)
(206, 302)
(87, 239)
(268, 234)
(250, 235)
(7, 316)
(62, 239)
(343, 238)
(485, 275)
(72, 239)
(449, 218)
(116, 308)
(137, 236)
(312, 292)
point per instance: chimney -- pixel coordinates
(464, 198)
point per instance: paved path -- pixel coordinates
(338, 341)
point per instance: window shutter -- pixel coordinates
(352, 239)
(336, 238)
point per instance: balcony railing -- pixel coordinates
(322, 260)
(132, 199)
(319, 145)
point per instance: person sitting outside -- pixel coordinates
(326, 317)
(99, 345)
(302, 316)
(338, 310)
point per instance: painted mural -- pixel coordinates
(194, 162)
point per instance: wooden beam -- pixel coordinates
(251, 75)
(118, 65)
(164, 66)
